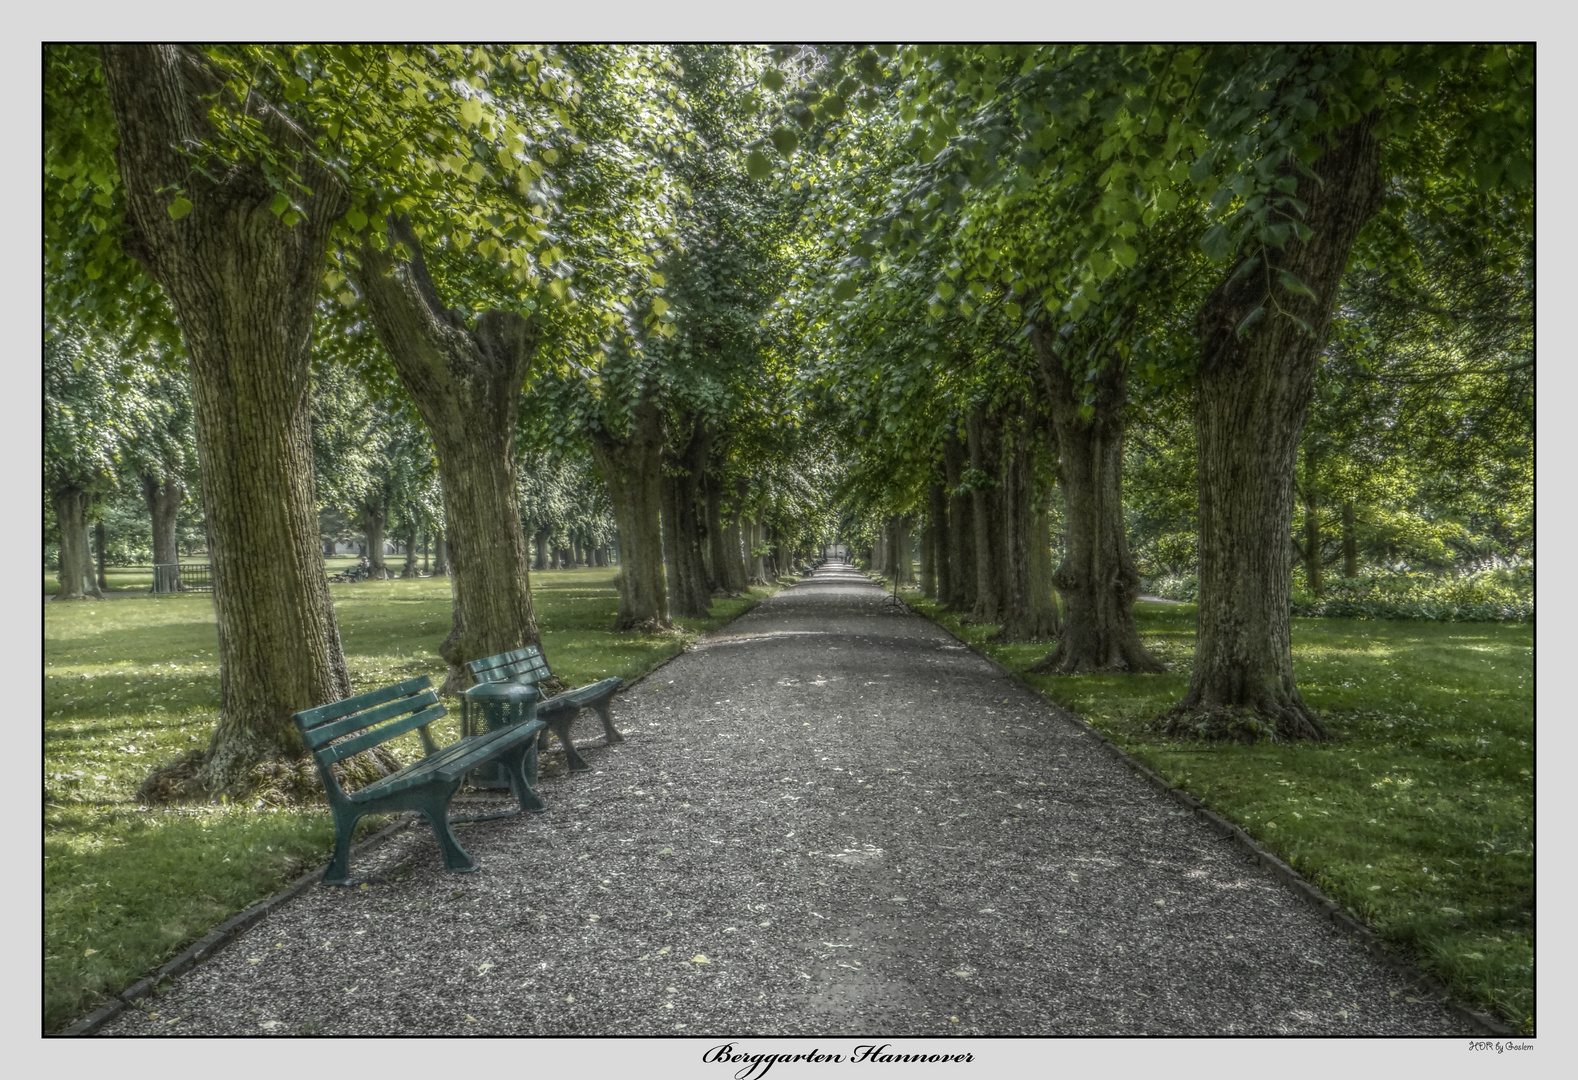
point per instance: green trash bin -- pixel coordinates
(488, 707)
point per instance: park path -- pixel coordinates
(828, 818)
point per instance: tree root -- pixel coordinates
(1241, 724)
(278, 782)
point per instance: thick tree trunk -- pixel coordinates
(76, 561)
(1253, 391)
(243, 285)
(1350, 542)
(1097, 580)
(540, 559)
(991, 555)
(164, 501)
(632, 467)
(690, 596)
(961, 528)
(755, 538)
(466, 383)
(1030, 611)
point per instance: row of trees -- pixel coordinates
(1026, 246)
(446, 223)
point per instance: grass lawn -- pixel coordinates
(130, 683)
(1419, 819)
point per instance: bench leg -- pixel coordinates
(561, 728)
(521, 767)
(435, 807)
(605, 711)
(339, 871)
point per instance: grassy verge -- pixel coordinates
(133, 682)
(139, 579)
(1419, 819)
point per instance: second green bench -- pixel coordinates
(528, 667)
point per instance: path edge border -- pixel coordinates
(1301, 887)
(226, 932)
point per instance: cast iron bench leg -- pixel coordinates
(339, 871)
(561, 728)
(435, 807)
(604, 709)
(521, 767)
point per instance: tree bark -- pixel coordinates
(961, 528)
(690, 596)
(466, 383)
(937, 578)
(632, 467)
(243, 286)
(409, 570)
(1097, 580)
(540, 539)
(375, 516)
(100, 543)
(76, 561)
(1253, 391)
(1030, 609)
(1350, 542)
(985, 448)
(441, 555)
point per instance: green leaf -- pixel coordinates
(180, 207)
(1217, 243)
(1290, 281)
(1250, 320)
(757, 167)
(773, 79)
(355, 218)
(659, 305)
(657, 279)
(844, 290)
(471, 111)
(785, 139)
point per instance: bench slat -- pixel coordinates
(341, 750)
(453, 761)
(327, 733)
(311, 718)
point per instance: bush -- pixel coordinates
(1503, 594)
(1185, 587)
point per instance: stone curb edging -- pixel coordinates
(1428, 985)
(222, 935)
(236, 925)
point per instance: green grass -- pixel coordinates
(131, 683)
(139, 579)
(1419, 819)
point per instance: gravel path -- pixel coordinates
(829, 817)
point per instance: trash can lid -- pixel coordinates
(502, 691)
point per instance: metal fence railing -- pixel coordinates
(183, 577)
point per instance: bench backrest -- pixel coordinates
(525, 666)
(379, 715)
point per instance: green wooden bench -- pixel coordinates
(335, 732)
(528, 667)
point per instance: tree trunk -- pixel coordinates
(1252, 393)
(755, 538)
(427, 543)
(409, 570)
(1030, 609)
(683, 531)
(441, 555)
(243, 285)
(987, 513)
(466, 383)
(1350, 542)
(961, 528)
(76, 561)
(100, 543)
(632, 468)
(937, 573)
(1097, 580)
(374, 517)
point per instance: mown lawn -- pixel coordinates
(1419, 819)
(132, 682)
